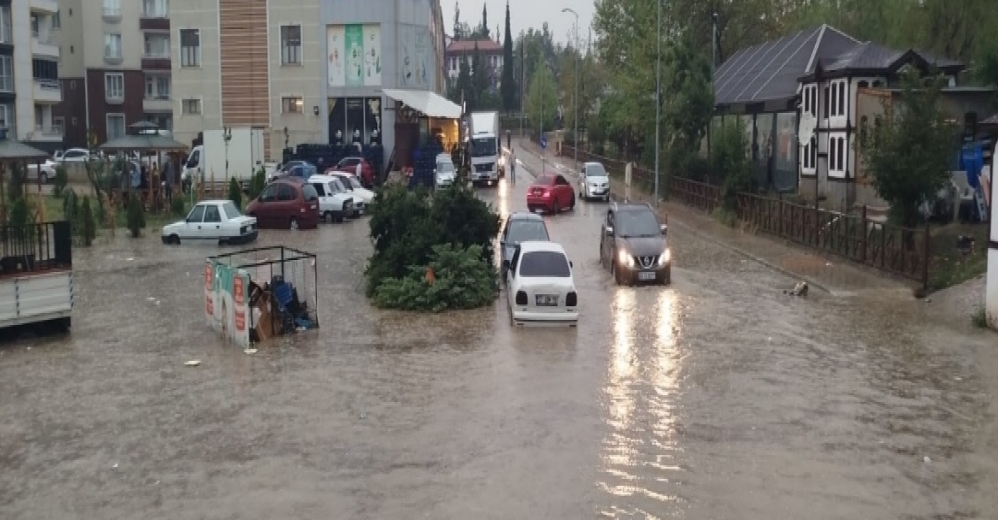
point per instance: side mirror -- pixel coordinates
(570, 264)
(664, 228)
(505, 264)
(609, 231)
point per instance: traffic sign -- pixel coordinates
(544, 143)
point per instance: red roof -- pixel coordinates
(462, 46)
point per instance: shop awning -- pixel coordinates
(429, 103)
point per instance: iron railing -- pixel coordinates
(35, 247)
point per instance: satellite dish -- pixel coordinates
(807, 125)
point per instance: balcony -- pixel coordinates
(44, 6)
(156, 62)
(112, 14)
(157, 104)
(49, 133)
(43, 48)
(47, 91)
(154, 23)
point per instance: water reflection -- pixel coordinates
(664, 374)
(619, 446)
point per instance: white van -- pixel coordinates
(335, 202)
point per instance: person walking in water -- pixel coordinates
(512, 167)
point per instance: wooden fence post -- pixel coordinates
(865, 233)
(779, 218)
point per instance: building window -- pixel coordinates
(34, 25)
(6, 36)
(842, 98)
(155, 8)
(863, 84)
(58, 125)
(39, 118)
(290, 45)
(6, 74)
(292, 105)
(157, 45)
(811, 100)
(157, 86)
(841, 162)
(112, 46)
(114, 87)
(6, 121)
(112, 8)
(190, 47)
(45, 70)
(827, 102)
(191, 107)
(115, 126)
(56, 22)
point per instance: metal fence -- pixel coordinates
(35, 247)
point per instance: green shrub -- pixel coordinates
(258, 182)
(463, 280)
(136, 216)
(731, 160)
(15, 183)
(20, 217)
(235, 192)
(178, 207)
(61, 181)
(88, 223)
(407, 224)
(71, 211)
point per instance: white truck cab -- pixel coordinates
(484, 148)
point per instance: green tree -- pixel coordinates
(136, 216)
(484, 28)
(480, 84)
(16, 182)
(730, 157)
(508, 84)
(235, 192)
(89, 223)
(909, 154)
(542, 99)
(61, 180)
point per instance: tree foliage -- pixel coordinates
(235, 192)
(731, 157)
(407, 224)
(136, 216)
(462, 279)
(542, 99)
(508, 84)
(909, 154)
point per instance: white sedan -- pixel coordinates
(47, 171)
(594, 183)
(362, 197)
(213, 221)
(541, 290)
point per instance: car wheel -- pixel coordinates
(327, 216)
(293, 223)
(667, 279)
(613, 272)
(44, 178)
(175, 240)
(571, 205)
(606, 198)
(340, 219)
(555, 207)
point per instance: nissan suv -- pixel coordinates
(633, 245)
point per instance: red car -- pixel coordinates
(357, 166)
(286, 203)
(551, 192)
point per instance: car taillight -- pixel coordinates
(546, 194)
(521, 298)
(572, 300)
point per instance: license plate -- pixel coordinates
(546, 300)
(646, 276)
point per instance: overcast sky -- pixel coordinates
(524, 14)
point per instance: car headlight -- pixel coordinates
(665, 257)
(625, 258)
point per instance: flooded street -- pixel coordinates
(718, 397)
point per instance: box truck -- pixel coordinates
(207, 161)
(484, 148)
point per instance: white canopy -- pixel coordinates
(429, 103)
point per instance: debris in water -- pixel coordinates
(115, 466)
(129, 259)
(363, 415)
(926, 459)
(250, 351)
(193, 363)
(799, 290)
(150, 299)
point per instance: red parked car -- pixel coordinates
(286, 203)
(357, 166)
(551, 192)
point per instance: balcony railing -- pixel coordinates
(155, 13)
(48, 131)
(156, 55)
(112, 13)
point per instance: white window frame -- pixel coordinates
(195, 54)
(293, 97)
(109, 88)
(183, 106)
(165, 54)
(7, 74)
(153, 81)
(112, 8)
(107, 46)
(6, 32)
(842, 101)
(107, 124)
(288, 52)
(164, 4)
(59, 122)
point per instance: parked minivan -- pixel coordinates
(286, 203)
(335, 202)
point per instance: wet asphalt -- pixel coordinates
(717, 397)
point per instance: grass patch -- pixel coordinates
(54, 211)
(980, 318)
(725, 216)
(948, 266)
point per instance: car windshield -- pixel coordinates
(351, 182)
(547, 264)
(595, 170)
(637, 224)
(445, 167)
(231, 211)
(483, 146)
(525, 230)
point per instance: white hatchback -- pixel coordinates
(541, 289)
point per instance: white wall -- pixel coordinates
(24, 83)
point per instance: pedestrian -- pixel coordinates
(512, 167)
(168, 179)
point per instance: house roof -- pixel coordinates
(871, 57)
(461, 46)
(770, 71)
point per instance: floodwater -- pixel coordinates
(718, 397)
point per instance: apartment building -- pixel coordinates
(29, 80)
(283, 65)
(489, 50)
(115, 68)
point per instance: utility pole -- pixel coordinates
(713, 46)
(575, 132)
(523, 83)
(658, 97)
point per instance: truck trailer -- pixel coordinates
(484, 148)
(207, 161)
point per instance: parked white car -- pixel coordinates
(594, 183)
(541, 289)
(362, 197)
(445, 172)
(47, 172)
(74, 155)
(214, 221)
(335, 202)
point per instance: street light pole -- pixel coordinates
(658, 96)
(575, 132)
